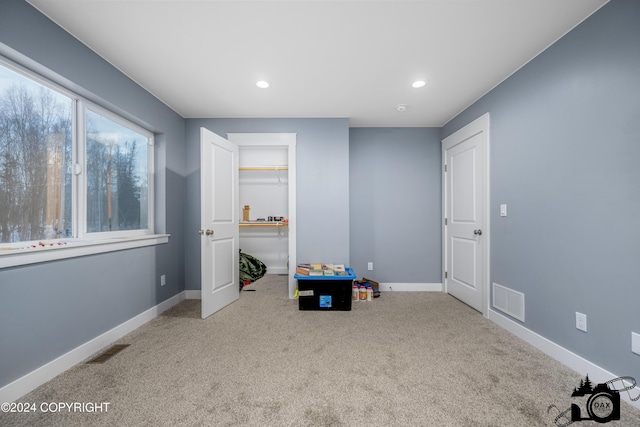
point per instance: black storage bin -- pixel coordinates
(325, 292)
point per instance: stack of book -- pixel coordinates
(321, 270)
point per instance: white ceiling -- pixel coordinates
(354, 59)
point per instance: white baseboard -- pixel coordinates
(411, 287)
(41, 375)
(192, 294)
(579, 364)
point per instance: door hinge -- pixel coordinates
(445, 221)
(445, 168)
(446, 275)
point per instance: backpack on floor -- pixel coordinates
(251, 269)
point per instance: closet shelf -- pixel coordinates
(263, 224)
(264, 168)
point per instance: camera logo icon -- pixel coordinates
(603, 404)
(600, 403)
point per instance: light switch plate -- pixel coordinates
(503, 210)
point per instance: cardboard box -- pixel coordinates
(374, 284)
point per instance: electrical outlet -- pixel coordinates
(163, 280)
(635, 343)
(370, 266)
(581, 321)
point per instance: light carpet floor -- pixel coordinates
(404, 359)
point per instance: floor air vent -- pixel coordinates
(108, 353)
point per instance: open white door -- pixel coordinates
(219, 222)
(465, 212)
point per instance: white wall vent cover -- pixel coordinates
(508, 301)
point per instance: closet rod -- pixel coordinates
(264, 168)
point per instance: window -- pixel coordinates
(35, 160)
(68, 169)
(117, 174)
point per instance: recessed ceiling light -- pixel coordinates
(401, 107)
(418, 83)
(262, 84)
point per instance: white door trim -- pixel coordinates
(479, 125)
(279, 140)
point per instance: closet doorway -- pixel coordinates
(267, 186)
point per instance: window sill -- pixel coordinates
(75, 248)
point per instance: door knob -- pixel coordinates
(477, 232)
(208, 232)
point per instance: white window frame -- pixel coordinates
(82, 233)
(83, 243)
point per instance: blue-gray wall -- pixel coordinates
(565, 157)
(50, 308)
(396, 209)
(322, 163)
